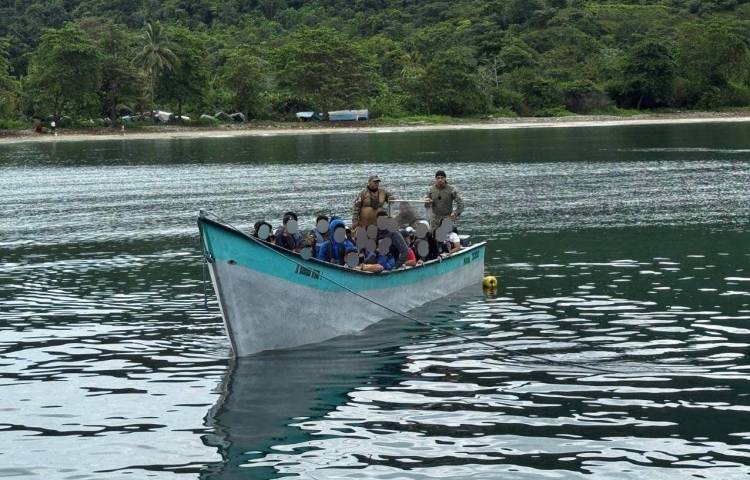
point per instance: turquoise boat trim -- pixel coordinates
(271, 298)
(225, 244)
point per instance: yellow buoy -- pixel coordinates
(489, 282)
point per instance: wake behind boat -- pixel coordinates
(273, 298)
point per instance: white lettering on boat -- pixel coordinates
(308, 272)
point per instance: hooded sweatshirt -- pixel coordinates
(331, 250)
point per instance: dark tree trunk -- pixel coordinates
(113, 112)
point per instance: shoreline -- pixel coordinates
(170, 132)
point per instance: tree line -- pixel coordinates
(270, 58)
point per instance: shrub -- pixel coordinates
(553, 112)
(13, 124)
(731, 95)
(388, 104)
(503, 113)
(582, 96)
(539, 92)
(505, 99)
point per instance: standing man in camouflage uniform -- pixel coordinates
(440, 197)
(368, 202)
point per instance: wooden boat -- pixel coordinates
(272, 298)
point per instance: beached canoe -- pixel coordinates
(271, 298)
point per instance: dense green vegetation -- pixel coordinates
(269, 58)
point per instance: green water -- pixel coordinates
(624, 249)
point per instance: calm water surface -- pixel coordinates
(620, 331)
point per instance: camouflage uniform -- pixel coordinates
(442, 203)
(367, 204)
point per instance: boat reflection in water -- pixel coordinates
(264, 395)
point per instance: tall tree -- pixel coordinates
(415, 82)
(120, 80)
(324, 66)
(65, 72)
(119, 77)
(155, 57)
(648, 74)
(244, 76)
(452, 82)
(8, 84)
(520, 11)
(187, 81)
(710, 57)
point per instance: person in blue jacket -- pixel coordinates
(337, 246)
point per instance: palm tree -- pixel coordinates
(155, 57)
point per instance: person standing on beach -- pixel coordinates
(53, 126)
(368, 202)
(441, 197)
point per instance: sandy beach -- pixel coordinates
(167, 132)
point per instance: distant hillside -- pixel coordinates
(270, 58)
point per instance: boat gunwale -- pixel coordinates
(297, 257)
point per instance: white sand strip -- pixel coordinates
(172, 132)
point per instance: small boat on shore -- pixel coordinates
(272, 298)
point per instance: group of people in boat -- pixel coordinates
(377, 242)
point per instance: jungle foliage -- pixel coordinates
(269, 58)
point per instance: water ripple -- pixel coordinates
(615, 347)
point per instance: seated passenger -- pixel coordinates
(376, 258)
(262, 230)
(397, 251)
(287, 235)
(411, 259)
(320, 231)
(337, 246)
(309, 242)
(426, 247)
(409, 237)
(452, 243)
(449, 242)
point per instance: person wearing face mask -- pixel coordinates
(441, 198)
(369, 202)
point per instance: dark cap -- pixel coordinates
(289, 216)
(373, 177)
(440, 173)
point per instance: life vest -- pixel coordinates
(371, 203)
(336, 254)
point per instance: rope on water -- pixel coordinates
(423, 322)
